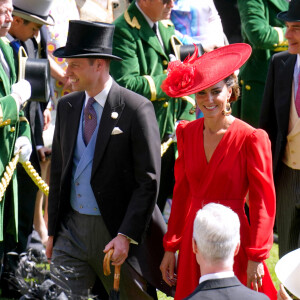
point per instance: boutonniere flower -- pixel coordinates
(114, 115)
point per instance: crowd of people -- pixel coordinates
(151, 102)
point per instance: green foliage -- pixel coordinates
(271, 262)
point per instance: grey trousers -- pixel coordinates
(78, 258)
(288, 209)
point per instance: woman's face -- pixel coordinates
(212, 101)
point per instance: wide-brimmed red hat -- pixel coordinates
(195, 74)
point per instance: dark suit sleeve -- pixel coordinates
(146, 153)
(55, 177)
(268, 120)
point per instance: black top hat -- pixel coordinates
(88, 39)
(293, 14)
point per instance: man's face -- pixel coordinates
(6, 9)
(159, 9)
(27, 30)
(293, 36)
(82, 73)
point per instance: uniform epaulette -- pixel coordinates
(167, 23)
(134, 23)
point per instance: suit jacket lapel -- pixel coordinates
(9, 57)
(73, 122)
(145, 32)
(285, 76)
(113, 103)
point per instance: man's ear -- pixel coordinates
(18, 20)
(195, 248)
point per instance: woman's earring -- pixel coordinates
(193, 109)
(227, 110)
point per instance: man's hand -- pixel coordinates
(167, 268)
(24, 146)
(49, 248)
(43, 153)
(120, 244)
(255, 274)
(21, 91)
(47, 118)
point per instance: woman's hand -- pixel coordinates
(255, 274)
(167, 268)
(282, 294)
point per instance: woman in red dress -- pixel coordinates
(221, 159)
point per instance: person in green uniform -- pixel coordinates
(14, 128)
(265, 33)
(142, 38)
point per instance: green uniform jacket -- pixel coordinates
(144, 66)
(12, 125)
(265, 33)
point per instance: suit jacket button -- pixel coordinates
(166, 104)
(13, 129)
(248, 87)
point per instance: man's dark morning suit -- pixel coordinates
(224, 289)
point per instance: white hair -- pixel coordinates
(216, 232)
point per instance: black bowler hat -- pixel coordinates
(88, 39)
(293, 14)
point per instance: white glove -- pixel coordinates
(22, 89)
(23, 144)
(172, 57)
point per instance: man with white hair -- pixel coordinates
(216, 240)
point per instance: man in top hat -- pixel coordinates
(104, 174)
(280, 118)
(143, 39)
(216, 240)
(14, 129)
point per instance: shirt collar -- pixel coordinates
(10, 37)
(218, 275)
(149, 21)
(298, 62)
(102, 96)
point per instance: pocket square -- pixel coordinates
(116, 130)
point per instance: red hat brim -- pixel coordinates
(187, 78)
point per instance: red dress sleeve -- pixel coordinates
(262, 203)
(181, 200)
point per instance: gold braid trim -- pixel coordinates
(23, 119)
(33, 174)
(189, 99)
(7, 175)
(167, 23)
(151, 86)
(134, 22)
(36, 178)
(165, 146)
